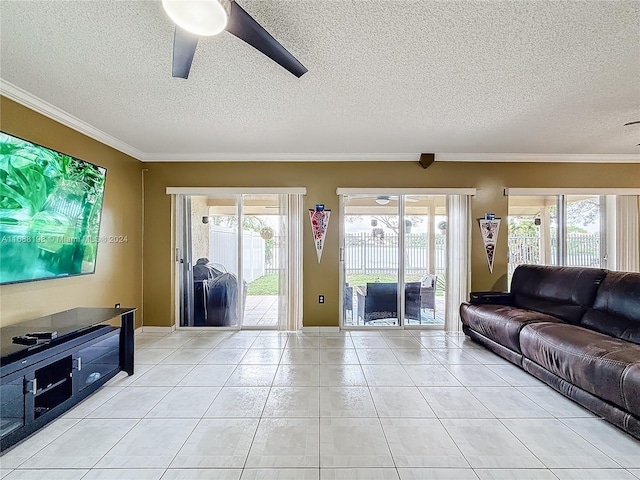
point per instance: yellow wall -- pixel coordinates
(118, 276)
(321, 181)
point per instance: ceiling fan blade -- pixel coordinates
(184, 46)
(631, 123)
(243, 26)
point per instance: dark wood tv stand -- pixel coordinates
(40, 382)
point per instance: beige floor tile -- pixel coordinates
(341, 376)
(240, 402)
(508, 403)
(184, 402)
(58, 474)
(359, 474)
(418, 442)
(151, 443)
(285, 442)
(437, 474)
(454, 402)
(556, 445)
(487, 443)
(353, 442)
(346, 402)
(610, 440)
(202, 474)
(122, 474)
(515, 474)
(293, 402)
(594, 474)
(400, 402)
(83, 445)
(217, 443)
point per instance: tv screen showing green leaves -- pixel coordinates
(50, 206)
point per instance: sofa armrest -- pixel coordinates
(491, 297)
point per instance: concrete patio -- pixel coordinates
(262, 311)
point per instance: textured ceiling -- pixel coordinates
(385, 77)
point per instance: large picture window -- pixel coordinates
(578, 229)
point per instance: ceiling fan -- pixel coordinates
(201, 18)
(385, 199)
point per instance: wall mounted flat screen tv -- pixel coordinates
(50, 206)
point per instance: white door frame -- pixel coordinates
(180, 239)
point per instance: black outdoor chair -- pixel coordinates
(428, 293)
(381, 301)
(348, 301)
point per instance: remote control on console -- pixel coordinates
(43, 335)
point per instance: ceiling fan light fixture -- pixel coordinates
(201, 17)
(382, 199)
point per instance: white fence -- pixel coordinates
(223, 249)
(583, 250)
(366, 255)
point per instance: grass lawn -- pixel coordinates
(265, 285)
(361, 279)
(268, 284)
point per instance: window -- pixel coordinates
(578, 229)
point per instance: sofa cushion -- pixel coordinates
(631, 389)
(563, 292)
(590, 360)
(616, 310)
(500, 323)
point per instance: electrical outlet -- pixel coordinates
(320, 298)
(117, 305)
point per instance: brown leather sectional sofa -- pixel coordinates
(576, 329)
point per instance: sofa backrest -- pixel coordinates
(563, 292)
(616, 310)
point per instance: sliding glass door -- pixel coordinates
(425, 259)
(393, 260)
(371, 251)
(265, 259)
(533, 231)
(557, 230)
(585, 240)
(233, 260)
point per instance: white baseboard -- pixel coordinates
(320, 329)
(158, 329)
(137, 331)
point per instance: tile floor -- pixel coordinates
(393, 405)
(261, 311)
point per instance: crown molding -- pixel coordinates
(395, 157)
(282, 157)
(43, 107)
(540, 157)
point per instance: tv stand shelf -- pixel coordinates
(39, 382)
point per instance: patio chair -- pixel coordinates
(381, 301)
(360, 296)
(348, 301)
(428, 293)
(413, 301)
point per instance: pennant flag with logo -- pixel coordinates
(489, 230)
(319, 224)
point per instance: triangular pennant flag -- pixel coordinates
(489, 230)
(319, 224)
